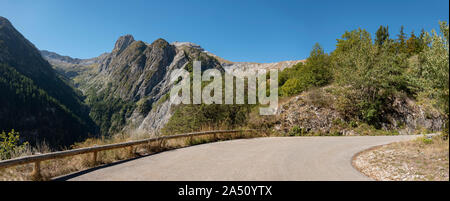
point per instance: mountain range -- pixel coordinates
(138, 73)
(125, 90)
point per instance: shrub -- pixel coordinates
(10, 144)
(197, 141)
(292, 87)
(427, 140)
(189, 118)
(297, 131)
(314, 73)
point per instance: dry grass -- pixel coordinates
(63, 166)
(423, 159)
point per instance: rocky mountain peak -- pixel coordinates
(122, 43)
(160, 43)
(4, 22)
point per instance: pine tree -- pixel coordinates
(401, 40)
(413, 45)
(421, 40)
(382, 35)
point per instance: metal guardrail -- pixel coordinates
(37, 159)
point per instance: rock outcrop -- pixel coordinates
(409, 117)
(314, 111)
(311, 111)
(122, 43)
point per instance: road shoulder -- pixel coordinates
(421, 159)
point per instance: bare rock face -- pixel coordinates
(308, 112)
(246, 66)
(409, 117)
(122, 43)
(161, 112)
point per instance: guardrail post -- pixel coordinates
(36, 174)
(94, 158)
(161, 145)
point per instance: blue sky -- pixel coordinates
(244, 30)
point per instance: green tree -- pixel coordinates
(9, 144)
(370, 75)
(433, 73)
(292, 87)
(314, 73)
(317, 68)
(413, 45)
(382, 35)
(401, 41)
(421, 38)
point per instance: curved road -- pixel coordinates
(273, 158)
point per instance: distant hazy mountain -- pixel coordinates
(71, 67)
(56, 58)
(34, 100)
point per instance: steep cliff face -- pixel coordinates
(138, 74)
(136, 69)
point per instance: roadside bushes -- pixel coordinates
(10, 144)
(367, 76)
(297, 131)
(370, 75)
(188, 118)
(314, 73)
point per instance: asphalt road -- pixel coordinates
(274, 158)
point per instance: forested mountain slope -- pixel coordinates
(35, 101)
